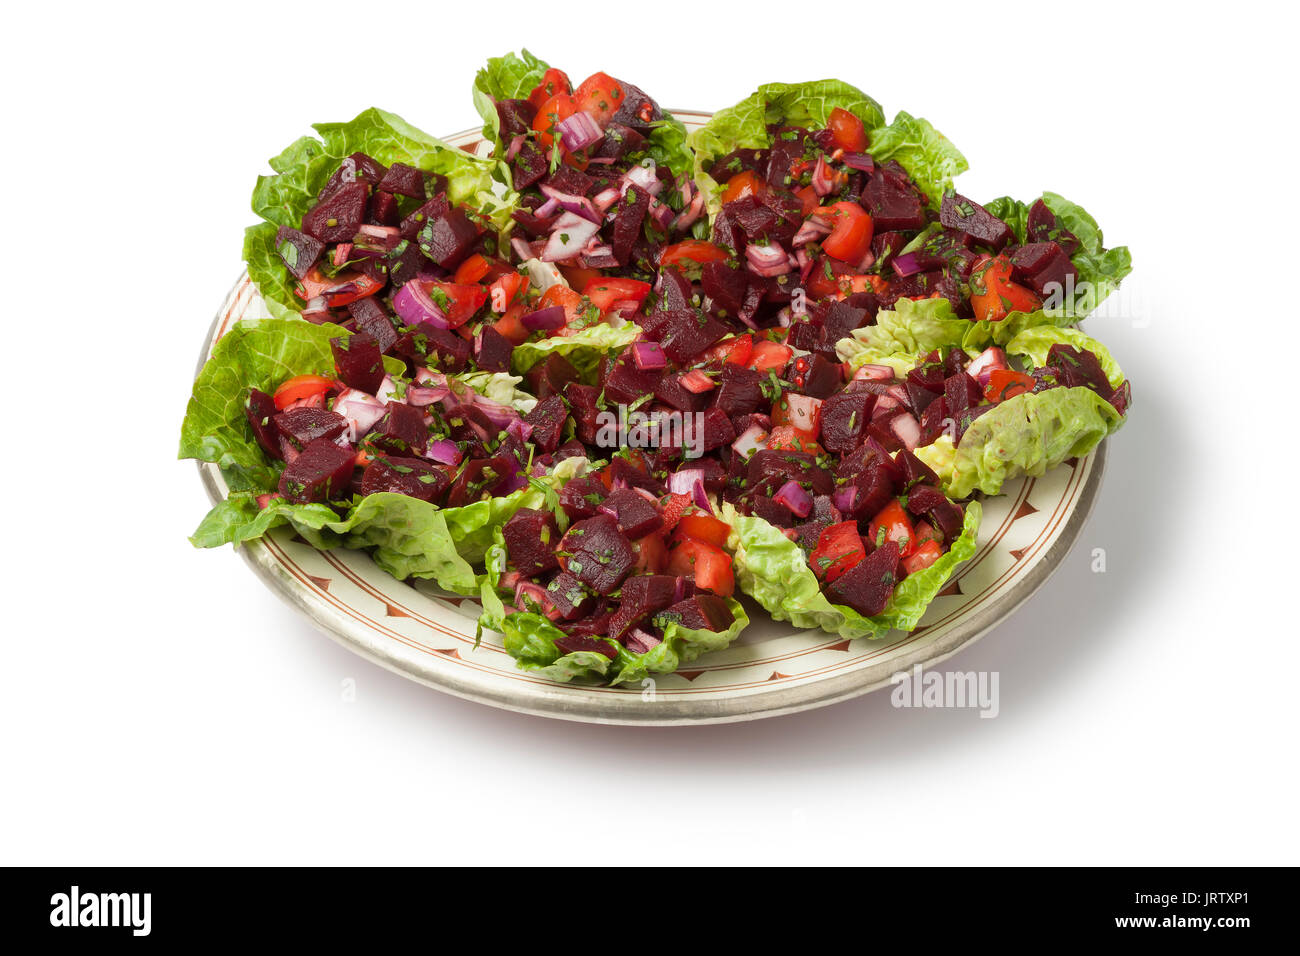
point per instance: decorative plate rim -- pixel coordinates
(581, 703)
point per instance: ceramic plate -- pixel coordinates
(772, 669)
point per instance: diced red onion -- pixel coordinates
(443, 451)
(681, 482)
(568, 237)
(749, 441)
(884, 406)
(795, 497)
(521, 248)
(805, 412)
(691, 213)
(644, 177)
(823, 177)
(516, 144)
(377, 232)
(908, 430)
(649, 356)
(547, 209)
(908, 264)
(874, 373)
(420, 397)
(413, 304)
(769, 260)
(662, 213)
(579, 131)
(360, 409)
(861, 161)
(548, 319)
(986, 363)
(605, 198)
(844, 497)
(813, 228)
(578, 205)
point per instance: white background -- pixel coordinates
(159, 705)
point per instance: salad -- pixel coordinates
(608, 377)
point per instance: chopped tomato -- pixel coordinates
(789, 438)
(1005, 383)
(993, 295)
(922, 557)
(551, 114)
(462, 299)
(733, 351)
(579, 277)
(691, 251)
(511, 325)
(600, 96)
(554, 81)
(744, 183)
(703, 527)
(924, 533)
(364, 457)
(892, 524)
(651, 553)
(847, 131)
(300, 387)
(768, 355)
(563, 296)
(851, 231)
(839, 548)
(472, 269)
(608, 291)
(505, 289)
(709, 566)
(343, 288)
(671, 509)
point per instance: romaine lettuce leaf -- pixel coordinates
(904, 334)
(1100, 269)
(929, 157)
(584, 349)
(304, 167)
(773, 570)
(1035, 343)
(509, 77)
(1025, 435)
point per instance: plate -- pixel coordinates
(772, 669)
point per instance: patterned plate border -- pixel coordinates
(772, 670)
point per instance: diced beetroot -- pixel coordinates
(629, 214)
(551, 376)
(320, 473)
(434, 347)
(303, 426)
(261, 411)
(635, 515)
(821, 379)
(516, 117)
(531, 537)
(404, 263)
(769, 469)
(958, 212)
(740, 390)
(945, 515)
(568, 180)
(700, 612)
(845, 417)
(401, 431)
(688, 334)
(572, 643)
(625, 383)
(619, 141)
(298, 250)
(581, 497)
(436, 207)
(1078, 368)
(873, 490)
(598, 554)
(960, 392)
(337, 216)
(570, 599)
(1122, 398)
(771, 511)
(711, 430)
(737, 161)
(670, 391)
(382, 210)
(915, 471)
(403, 180)
(676, 292)
(1042, 226)
(371, 318)
(725, 285)
(547, 420)
(808, 533)
(932, 421)
(415, 477)
(492, 350)
(358, 361)
(867, 586)
(1038, 270)
(622, 470)
(529, 166)
(955, 361)
(596, 622)
(357, 168)
(583, 400)
(448, 239)
(918, 398)
(641, 596)
(893, 207)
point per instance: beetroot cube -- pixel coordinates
(531, 536)
(261, 411)
(769, 469)
(492, 350)
(550, 376)
(320, 473)
(740, 391)
(845, 418)
(867, 586)
(636, 516)
(448, 239)
(401, 431)
(358, 361)
(582, 496)
(629, 214)
(641, 596)
(382, 210)
(415, 477)
(431, 210)
(303, 426)
(403, 180)
(547, 420)
(371, 318)
(599, 555)
(568, 596)
(626, 383)
(700, 612)
(1041, 226)
(358, 168)
(725, 285)
(337, 217)
(298, 250)
(689, 333)
(958, 212)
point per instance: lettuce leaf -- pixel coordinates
(1100, 269)
(304, 167)
(584, 349)
(902, 335)
(929, 157)
(1035, 343)
(251, 355)
(773, 570)
(509, 77)
(1025, 435)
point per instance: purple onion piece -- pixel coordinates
(547, 319)
(649, 356)
(795, 497)
(413, 304)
